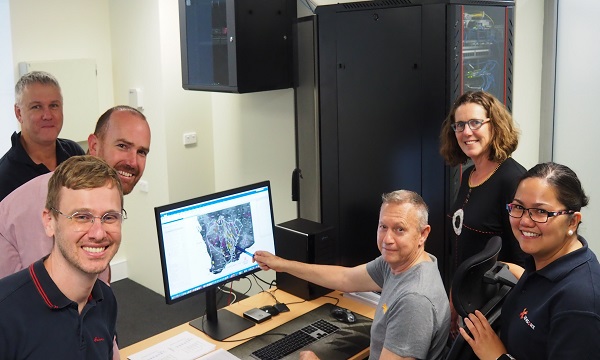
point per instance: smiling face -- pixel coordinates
(474, 143)
(547, 241)
(90, 251)
(124, 145)
(40, 112)
(399, 237)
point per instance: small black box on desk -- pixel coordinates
(309, 242)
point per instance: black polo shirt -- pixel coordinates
(17, 168)
(554, 313)
(38, 322)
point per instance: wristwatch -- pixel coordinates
(506, 357)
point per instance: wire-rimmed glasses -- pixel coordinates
(84, 220)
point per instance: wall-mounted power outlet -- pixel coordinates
(189, 138)
(143, 186)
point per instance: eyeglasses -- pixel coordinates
(474, 124)
(84, 220)
(537, 215)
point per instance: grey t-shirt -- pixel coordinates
(412, 318)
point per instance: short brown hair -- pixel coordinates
(81, 172)
(504, 133)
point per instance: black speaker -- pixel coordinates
(305, 241)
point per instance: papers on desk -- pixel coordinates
(185, 346)
(220, 354)
(370, 298)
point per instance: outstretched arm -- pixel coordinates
(330, 276)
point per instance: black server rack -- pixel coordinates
(374, 81)
(237, 46)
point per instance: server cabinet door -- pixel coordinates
(379, 117)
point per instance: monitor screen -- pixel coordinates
(209, 241)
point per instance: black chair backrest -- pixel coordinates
(469, 290)
(480, 283)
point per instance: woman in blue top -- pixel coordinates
(554, 310)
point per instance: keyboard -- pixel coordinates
(296, 340)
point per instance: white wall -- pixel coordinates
(527, 78)
(250, 147)
(577, 125)
(8, 122)
(136, 45)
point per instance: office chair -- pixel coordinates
(480, 283)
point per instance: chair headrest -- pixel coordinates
(469, 291)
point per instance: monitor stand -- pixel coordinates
(219, 325)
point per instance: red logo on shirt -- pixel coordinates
(523, 313)
(98, 339)
(523, 316)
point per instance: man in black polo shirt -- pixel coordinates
(57, 308)
(36, 150)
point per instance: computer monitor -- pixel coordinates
(208, 241)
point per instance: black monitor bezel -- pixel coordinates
(158, 210)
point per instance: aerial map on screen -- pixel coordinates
(226, 233)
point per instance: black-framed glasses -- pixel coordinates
(84, 220)
(474, 124)
(535, 214)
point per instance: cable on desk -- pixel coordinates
(337, 300)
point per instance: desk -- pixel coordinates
(259, 300)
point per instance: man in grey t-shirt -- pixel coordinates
(412, 319)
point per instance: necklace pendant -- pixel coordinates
(457, 221)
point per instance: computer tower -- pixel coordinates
(305, 241)
(237, 46)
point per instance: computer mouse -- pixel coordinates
(270, 309)
(343, 315)
(281, 307)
